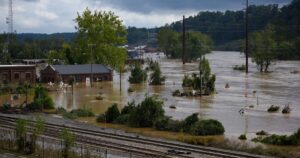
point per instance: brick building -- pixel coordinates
(17, 73)
(56, 73)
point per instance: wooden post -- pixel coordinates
(246, 34)
(183, 42)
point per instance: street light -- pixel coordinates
(91, 59)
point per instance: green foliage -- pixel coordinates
(129, 108)
(147, 112)
(156, 77)
(197, 44)
(242, 137)
(262, 47)
(273, 108)
(21, 134)
(207, 79)
(189, 121)
(39, 127)
(83, 112)
(41, 100)
(106, 31)
(138, 75)
(207, 127)
(274, 139)
(112, 113)
(68, 142)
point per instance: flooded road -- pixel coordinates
(280, 87)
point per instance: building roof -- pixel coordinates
(80, 69)
(11, 66)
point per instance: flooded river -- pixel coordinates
(280, 87)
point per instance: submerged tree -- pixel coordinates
(207, 81)
(262, 47)
(156, 77)
(138, 75)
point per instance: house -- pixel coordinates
(17, 74)
(81, 73)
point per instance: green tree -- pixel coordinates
(112, 113)
(147, 112)
(41, 100)
(39, 127)
(21, 134)
(156, 77)
(198, 44)
(106, 31)
(138, 75)
(68, 142)
(262, 47)
(169, 42)
(207, 127)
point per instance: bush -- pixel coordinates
(261, 133)
(207, 127)
(112, 113)
(41, 100)
(130, 90)
(101, 118)
(138, 75)
(85, 112)
(176, 93)
(243, 137)
(273, 108)
(5, 106)
(274, 139)
(147, 112)
(122, 119)
(189, 121)
(239, 67)
(129, 108)
(174, 126)
(156, 77)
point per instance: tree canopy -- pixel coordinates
(99, 35)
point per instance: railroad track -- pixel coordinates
(9, 120)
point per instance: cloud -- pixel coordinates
(49, 16)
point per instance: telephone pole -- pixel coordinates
(183, 42)
(247, 38)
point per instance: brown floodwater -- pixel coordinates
(280, 87)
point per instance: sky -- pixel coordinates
(51, 16)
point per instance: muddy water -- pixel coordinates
(279, 88)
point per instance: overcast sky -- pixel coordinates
(50, 16)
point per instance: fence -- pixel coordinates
(48, 147)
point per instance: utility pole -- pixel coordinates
(246, 34)
(200, 75)
(91, 62)
(183, 41)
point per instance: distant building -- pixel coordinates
(56, 73)
(17, 74)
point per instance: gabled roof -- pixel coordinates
(80, 69)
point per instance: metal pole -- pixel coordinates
(200, 75)
(91, 68)
(246, 31)
(183, 41)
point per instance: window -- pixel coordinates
(28, 75)
(17, 76)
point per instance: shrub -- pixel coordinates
(243, 137)
(129, 108)
(176, 93)
(101, 118)
(274, 139)
(189, 121)
(273, 108)
(239, 67)
(156, 77)
(112, 113)
(174, 125)
(261, 133)
(138, 75)
(122, 119)
(85, 112)
(207, 127)
(130, 90)
(147, 112)
(41, 100)
(161, 123)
